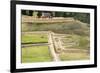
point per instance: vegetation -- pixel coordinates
(36, 54)
(72, 42)
(73, 56)
(77, 36)
(69, 28)
(34, 38)
(84, 17)
(76, 41)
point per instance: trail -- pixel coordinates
(52, 48)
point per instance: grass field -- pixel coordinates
(70, 27)
(34, 38)
(76, 41)
(36, 54)
(73, 56)
(77, 37)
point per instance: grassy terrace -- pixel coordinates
(75, 42)
(77, 37)
(73, 56)
(78, 42)
(34, 38)
(36, 54)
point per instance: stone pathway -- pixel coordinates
(52, 48)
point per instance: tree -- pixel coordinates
(39, 14)
(84, 17)
(27, 12)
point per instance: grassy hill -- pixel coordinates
(75, 27)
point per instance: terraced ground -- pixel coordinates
(72, 47)
(36, 54)
(67, 40)
(66, 56)
(33, 53)
(34, 38)
(75, 42)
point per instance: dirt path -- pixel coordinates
(58, 44)
(52, 48)
(50, 43)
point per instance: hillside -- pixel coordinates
(57, 25)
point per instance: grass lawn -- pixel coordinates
(73, 56)
(34, 38)
(36, 54)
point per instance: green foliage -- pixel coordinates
(59, 14)
(39, 14)
(36, 54)
(84, 43)
(27, 12)
(84, 17)
(34, 38)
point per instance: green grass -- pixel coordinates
(34, 38)
(81, 42)
(70, 27)
(73, 56)
(36, 54)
